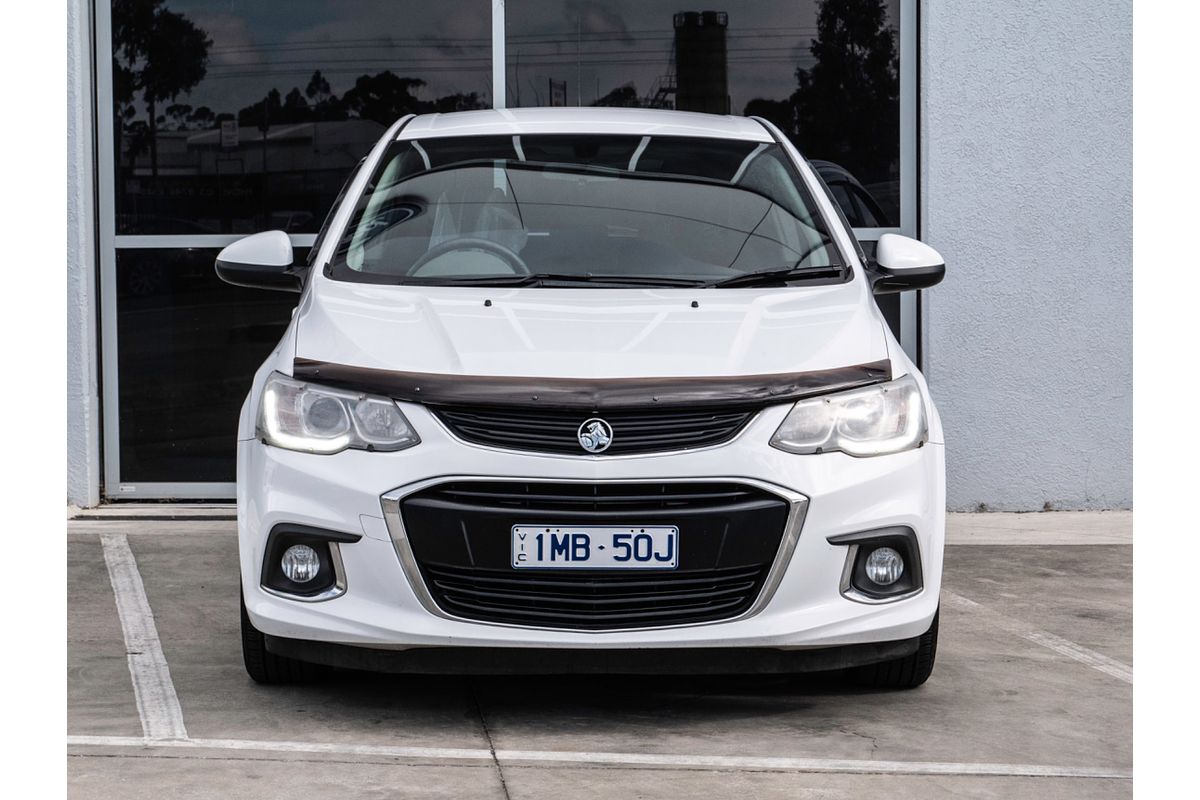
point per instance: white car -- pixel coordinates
(588, 390)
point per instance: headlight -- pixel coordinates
(319, 419)
(872, 421)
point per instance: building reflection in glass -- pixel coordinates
(234, 116)
(825, 71)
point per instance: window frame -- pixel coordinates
(108, 242)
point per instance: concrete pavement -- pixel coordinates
(1031, 695)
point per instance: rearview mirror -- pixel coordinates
(902, 264)
(261, 261)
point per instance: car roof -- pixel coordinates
(629, 121)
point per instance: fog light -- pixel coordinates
(884, 566)
(301, 563)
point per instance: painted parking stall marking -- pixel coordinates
(157, 703)
(666, 760)
(1064, 647)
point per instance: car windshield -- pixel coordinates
(609, 210)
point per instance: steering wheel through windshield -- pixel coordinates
(510, 257)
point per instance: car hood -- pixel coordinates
(587, 333)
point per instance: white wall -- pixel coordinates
(83, 424)
(1026, 190)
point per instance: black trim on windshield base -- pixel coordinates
(593, 394)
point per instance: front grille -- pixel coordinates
(460, 534)
(548, 430)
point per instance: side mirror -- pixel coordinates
(902, 263)
(261, 261)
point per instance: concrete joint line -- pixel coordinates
(487, 734)
(725, 763)
(1057, 644)
(157, 703)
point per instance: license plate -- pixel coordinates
(594, 547)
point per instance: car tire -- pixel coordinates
(908, 672)
(265, 667)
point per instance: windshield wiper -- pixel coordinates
(471, 280)
(777, 277)
(542, 278)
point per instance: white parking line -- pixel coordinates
(745, 763)
(157, 703)
(1064, 647)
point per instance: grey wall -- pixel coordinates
(1026, 190)
(83, 425)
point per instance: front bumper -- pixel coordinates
(577, 661)
(382, 608)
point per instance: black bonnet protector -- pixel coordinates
(592, 394)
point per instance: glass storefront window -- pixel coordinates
(190, 344)
(826, 72)
(235, 116)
